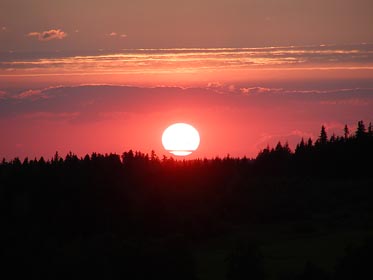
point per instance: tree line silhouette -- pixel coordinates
(136, 215)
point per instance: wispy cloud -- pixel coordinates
(60, 116)
(264, 67)
(48, 35)
(349, 102)
(257, 90)
(30, 94)
(118, 98)
(3, 94)
(115, 34)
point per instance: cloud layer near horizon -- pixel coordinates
(297, 67)
(189, 60)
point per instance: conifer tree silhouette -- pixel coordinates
(323, 138)
(361, 130)
(346, 132)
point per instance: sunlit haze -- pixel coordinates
(246, 73)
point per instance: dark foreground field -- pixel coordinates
(305, 214)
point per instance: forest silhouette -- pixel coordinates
(138, 216)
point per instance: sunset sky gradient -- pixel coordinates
(108, 76)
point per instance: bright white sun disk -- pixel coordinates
(180, 139)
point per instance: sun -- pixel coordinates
(180, 139)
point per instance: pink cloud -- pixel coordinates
(114, 34)
(50, 116)
(292, 138)
(2, 94)
(48, 35)
(214, 85)
(255, 90)
(32, 94)
(231, 88)
(350, 101)
(302, 134)
(334, 125)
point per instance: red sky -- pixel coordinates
(108, 81)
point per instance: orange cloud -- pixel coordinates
(32, 93)
(48, 35)
(256, 90)
(114, 34)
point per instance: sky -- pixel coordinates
(109, 76)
